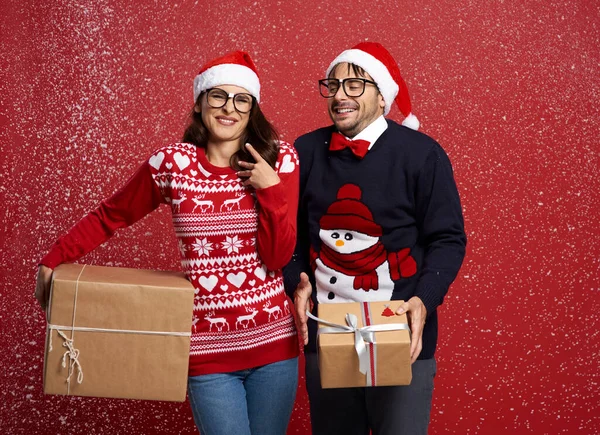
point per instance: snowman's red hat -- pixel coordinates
(348, 213)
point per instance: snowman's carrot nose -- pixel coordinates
(339, 243)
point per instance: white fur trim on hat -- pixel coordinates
(411, 121)
(228, 74)
(376, 69)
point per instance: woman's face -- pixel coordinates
(224, 124)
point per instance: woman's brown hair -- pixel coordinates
(259, 133)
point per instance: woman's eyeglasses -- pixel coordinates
(217, 98)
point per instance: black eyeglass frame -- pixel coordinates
(233, 97)
(342, 84)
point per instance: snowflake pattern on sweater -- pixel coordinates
(241, 312)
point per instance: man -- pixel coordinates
(379, 219)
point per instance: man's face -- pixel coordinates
(351, 115)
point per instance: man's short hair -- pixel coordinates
(357, 70)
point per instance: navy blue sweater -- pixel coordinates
(388, 226)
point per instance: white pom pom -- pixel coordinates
(411, 121)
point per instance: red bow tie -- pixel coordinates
(359, 147)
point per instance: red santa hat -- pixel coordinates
(379, 63)
(234, 68)
(348, 213)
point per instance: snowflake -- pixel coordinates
(251, 242)
(232, 244)
(202, 246)
(182, 248)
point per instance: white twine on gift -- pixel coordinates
(73, 359)
(72, 352)
(361, 335)
(125, 331)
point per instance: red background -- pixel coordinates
(509, 88)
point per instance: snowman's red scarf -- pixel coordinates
(360, 264)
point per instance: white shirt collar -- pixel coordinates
(372, 132)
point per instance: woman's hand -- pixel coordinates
(259, 175)
(42, 286)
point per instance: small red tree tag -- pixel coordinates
(387, 312)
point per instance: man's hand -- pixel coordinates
(302, 303)
(259, 175)
(42, 285)
(416, 313)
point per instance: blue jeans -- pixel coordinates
(256, 401)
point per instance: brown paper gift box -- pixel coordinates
(134, 363)
(390, 355)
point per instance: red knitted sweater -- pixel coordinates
(233, 242)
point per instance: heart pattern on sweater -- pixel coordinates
(287, 165)
(181, 160)
(237, 279)
(261, 272)
(208, 283)
(156, 161)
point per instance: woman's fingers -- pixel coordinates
(254, 153)
(42, 287)
(258, 175)
(244, 174)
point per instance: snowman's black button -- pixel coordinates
(330, 296)
(332, 280)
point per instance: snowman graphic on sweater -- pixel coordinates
(352, 264)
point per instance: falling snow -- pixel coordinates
(510, 90)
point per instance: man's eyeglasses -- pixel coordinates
(353, 87)
(217, 98)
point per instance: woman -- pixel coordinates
(234, 212)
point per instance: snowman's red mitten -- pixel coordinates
(402, 264)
